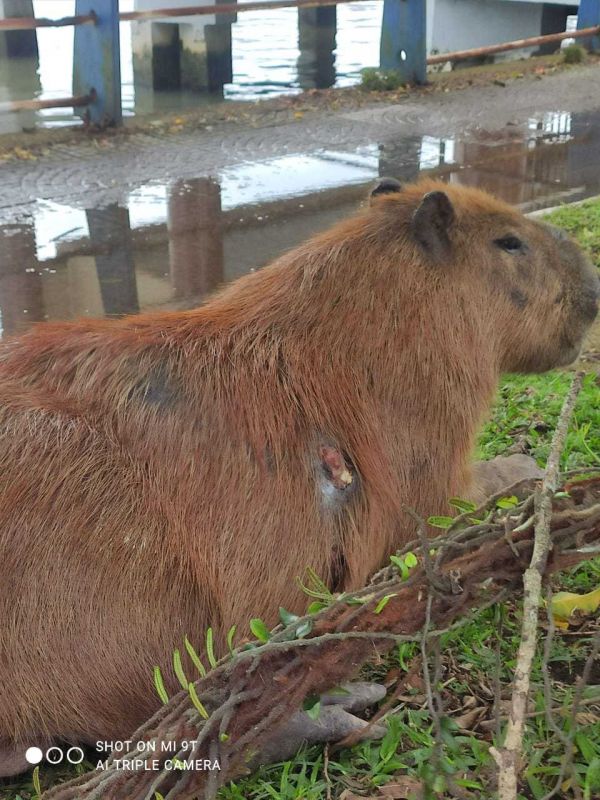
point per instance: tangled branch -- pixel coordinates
(250, 695)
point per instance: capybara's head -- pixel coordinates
(529, 279)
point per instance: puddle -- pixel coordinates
(172, 243)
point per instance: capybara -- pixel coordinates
(169, 471)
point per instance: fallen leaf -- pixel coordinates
(565, 604)
(406, 788)
(471, 718)
(25, 155)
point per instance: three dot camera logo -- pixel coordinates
(54, 755)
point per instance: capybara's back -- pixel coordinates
(167, 472)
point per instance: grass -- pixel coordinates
(573, 54)
(380, 80)
(526, 412)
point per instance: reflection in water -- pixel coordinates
(21, 299)
(110, 237)
(195, 237)
(171, 244)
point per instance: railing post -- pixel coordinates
(96, 61)
(587, 17)
(403, 39)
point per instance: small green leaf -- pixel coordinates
(224, 737)
(210, 648)
(383, 603)
(304, 628)
(158, 796)
(440, 521)
(196, 701)
(464, 506)
(159, 684)
(230, 635)
(357, 601)
(315, 607)
(508, 502)
(259, 629)
(536, 787)
(398, 562)
(586, 747)
(194, 657)
(592, 779)
(287, 617)
(178, 669)
(36, 783)
(312, 706)
(178, 763)
(411, 560)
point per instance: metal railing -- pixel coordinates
(97, 75)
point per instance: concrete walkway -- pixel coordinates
(85, 175)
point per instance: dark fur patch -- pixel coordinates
(524, 272)
(339, 569)
(518, 298)
(156, 390)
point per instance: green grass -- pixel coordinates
(573, 54)
(583, 223)
(380, 80)
(526, 412)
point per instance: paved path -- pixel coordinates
(86, 175)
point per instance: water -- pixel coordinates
(168, 244)
(265, 55)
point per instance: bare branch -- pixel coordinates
(508, 756)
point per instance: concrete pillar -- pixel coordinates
(195, 237)
(21, 297)
(316, 42)
(110, 236)
(182, 52)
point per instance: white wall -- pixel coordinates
(463, 24)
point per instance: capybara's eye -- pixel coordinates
(511, 244)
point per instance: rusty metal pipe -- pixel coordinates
(12, 106)
(27, 23)
(459, 55)
(226, 8)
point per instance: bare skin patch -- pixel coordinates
(337, 477)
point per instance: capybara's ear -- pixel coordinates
(386, 186)
(431, 222)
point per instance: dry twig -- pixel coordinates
(508, 756)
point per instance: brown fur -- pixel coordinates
(170, 471)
